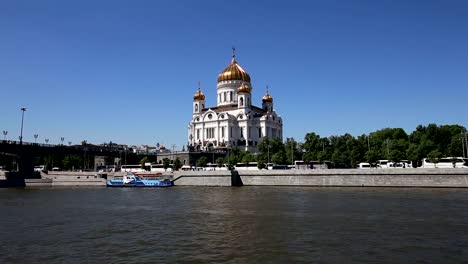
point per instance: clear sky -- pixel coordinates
(126, 71)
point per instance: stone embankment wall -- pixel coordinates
(65, 178)
(202, 178)
(349, 177)
(346, 177)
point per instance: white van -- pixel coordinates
(364, 165)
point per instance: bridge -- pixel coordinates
(25, 153)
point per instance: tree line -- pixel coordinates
(346, 151)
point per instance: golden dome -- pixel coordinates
(199, 95)
(234, 72)
(244, 88)
(267, 98)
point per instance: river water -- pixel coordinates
(234, 225)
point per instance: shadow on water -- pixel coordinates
(16, 179)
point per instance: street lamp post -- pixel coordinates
(5, 133)
(35, 138)
(85, 158)
(387, 148)
(173, 148)
(292, 151)
(268, 160)
(22, 120)
(466, 143)
(463, 144)
(125, 162)
(368, 142)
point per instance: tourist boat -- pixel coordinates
(132, 180)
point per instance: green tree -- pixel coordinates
(372, 157)
(220, 162)
(292, 151)
(279, 158)
(434, 156)
(396, 155)
(72, 162)
(413, 153)
(269, 147)
(248, 157)
(202, 161)
(261, 165)
(143, 161)
(166, 163)
(234, 157)
(177, 164)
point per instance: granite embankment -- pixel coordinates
(457, 178)
(339, 177)
(66, 178)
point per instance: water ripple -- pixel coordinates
(233, 225)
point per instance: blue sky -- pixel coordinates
(126, 71)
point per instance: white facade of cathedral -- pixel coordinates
(235, 121)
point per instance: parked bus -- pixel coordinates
(247, 166)
(445, 163)
(300, 165)
(159, 168)
(280, 167)
(388, 164)
(131, 168)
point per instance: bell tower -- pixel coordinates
(198, 101)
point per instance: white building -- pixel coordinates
(234, 121)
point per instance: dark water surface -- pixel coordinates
(234, 225)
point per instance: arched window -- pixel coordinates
(230, 96)
(196, 107)
(241, 101)
(248, 101)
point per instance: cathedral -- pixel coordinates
(234, 121)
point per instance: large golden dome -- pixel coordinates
(234, 72)
(199, 95)
(244, 88)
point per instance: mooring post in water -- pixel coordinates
(236, 179)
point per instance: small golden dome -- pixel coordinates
(234, 72)
(244, 88)
(199, 95)
(267, 98)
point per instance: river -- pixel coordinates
(234, 225)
